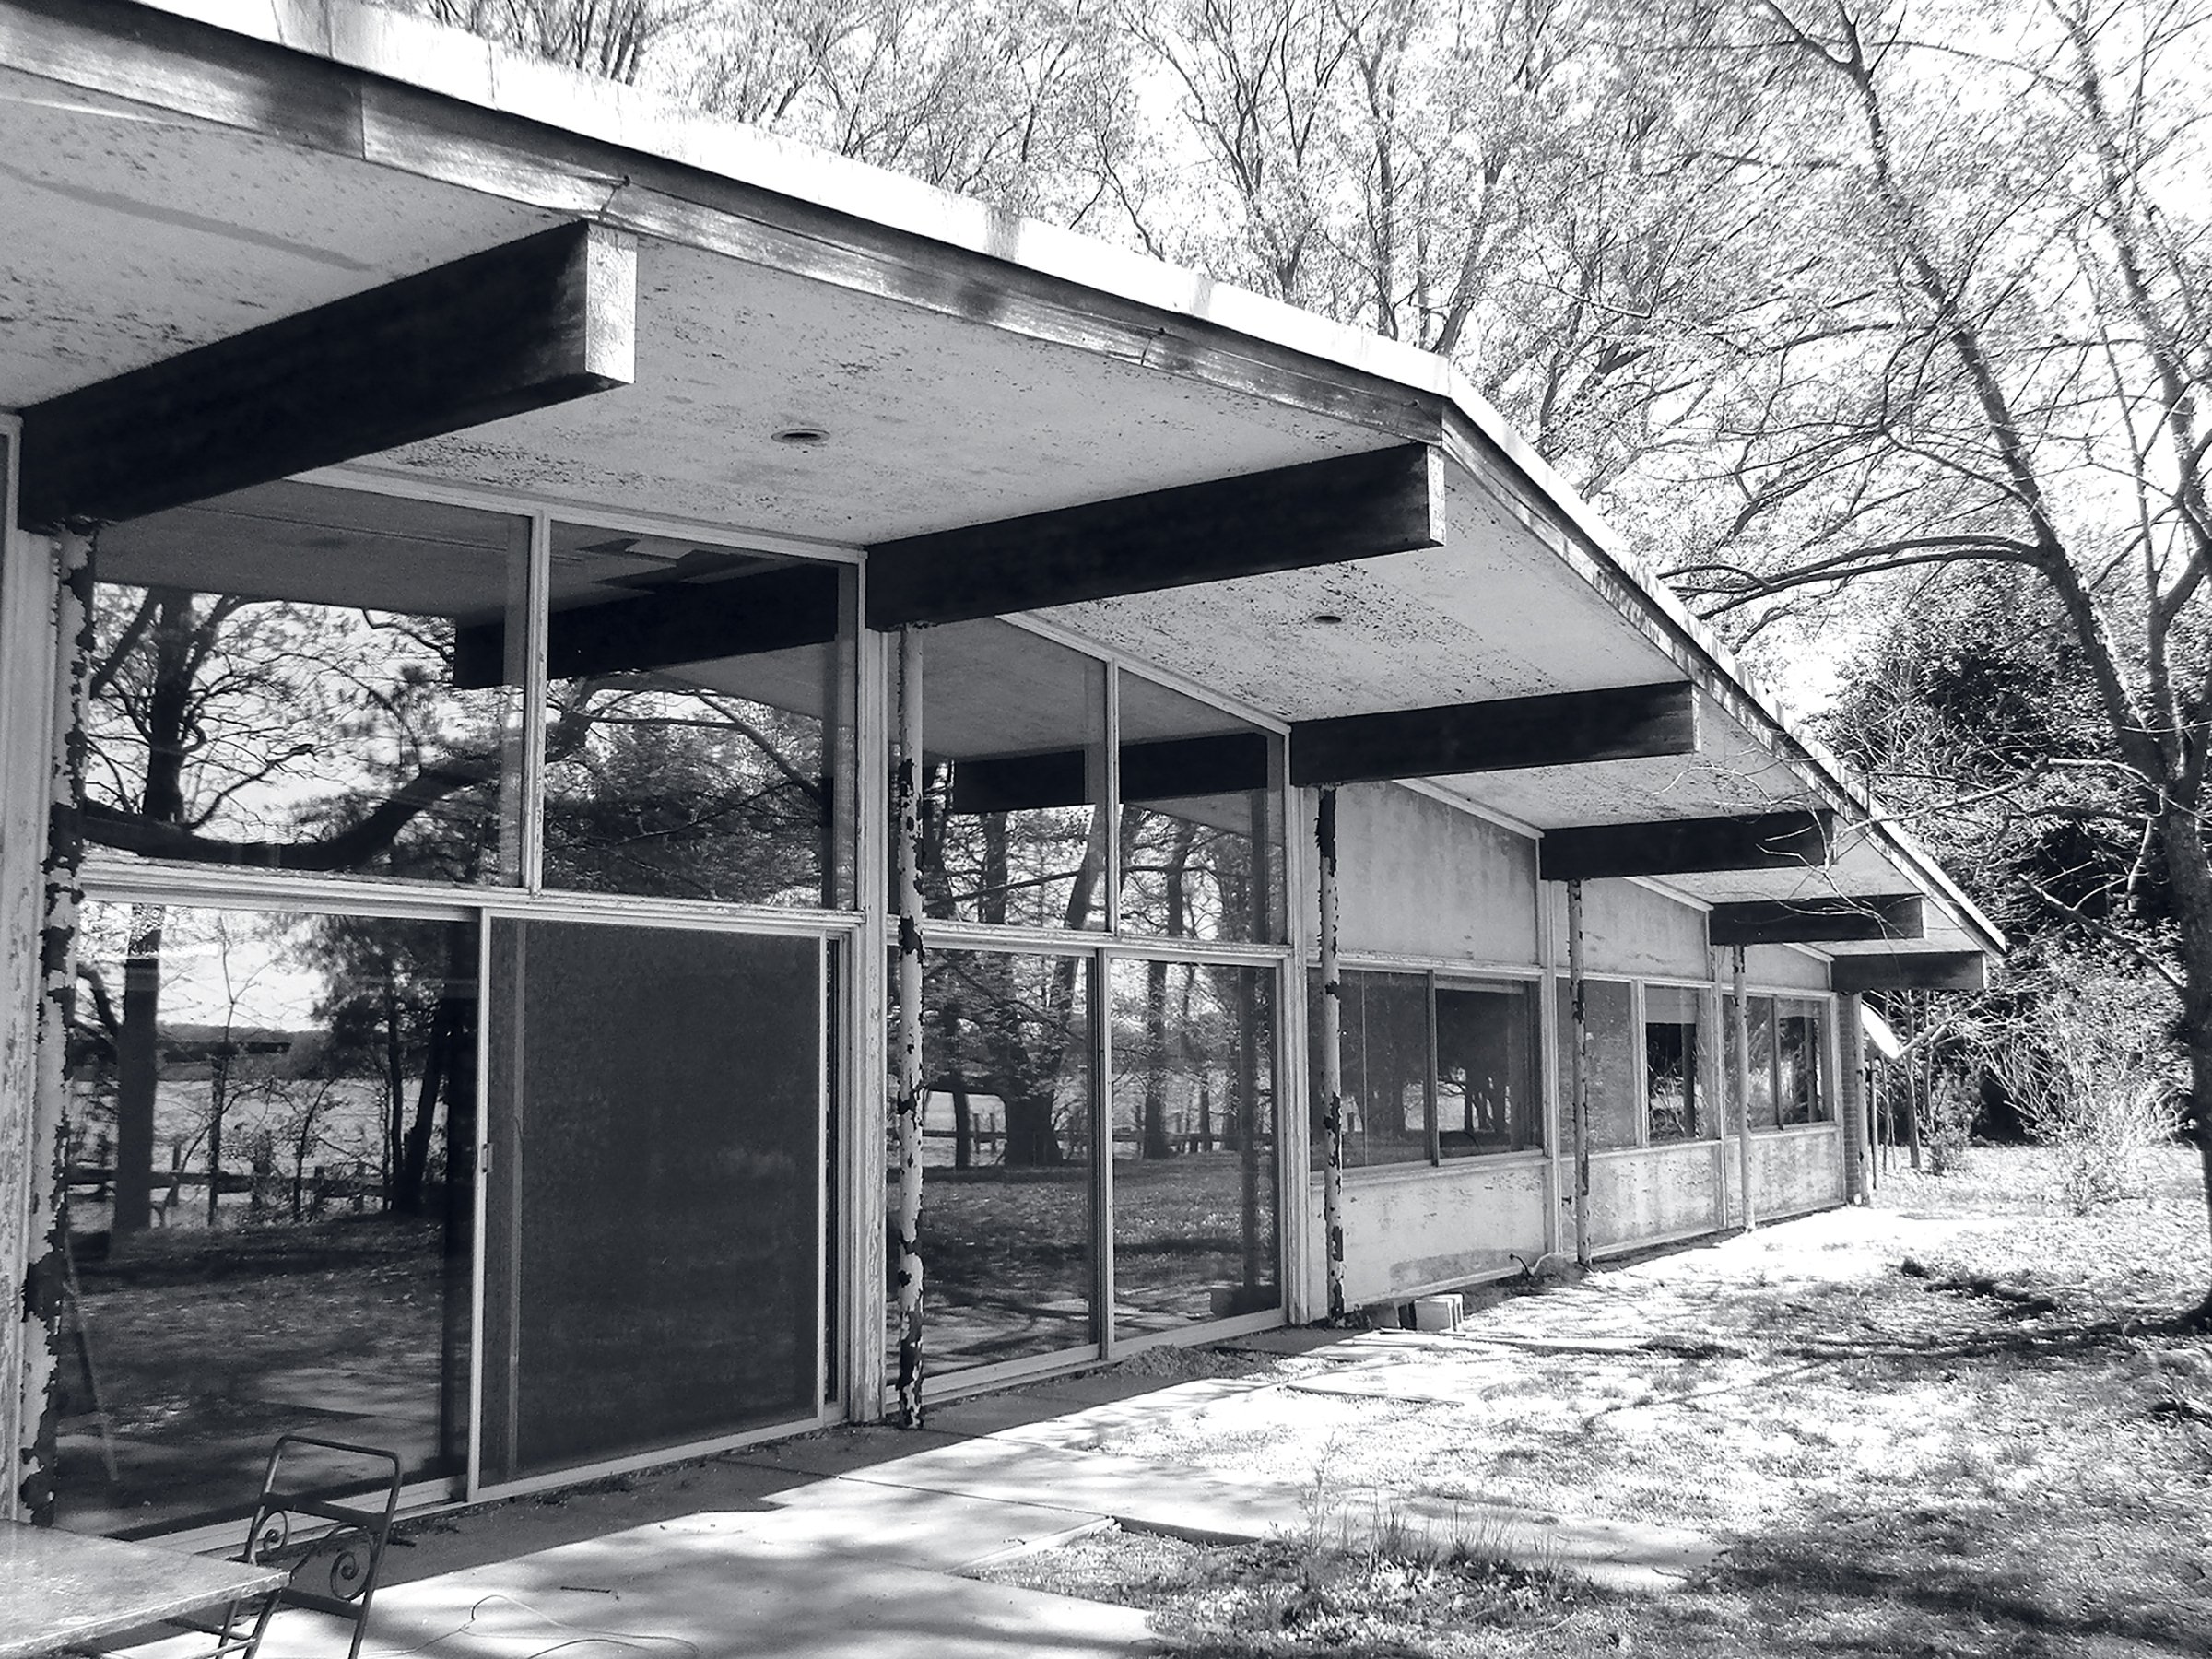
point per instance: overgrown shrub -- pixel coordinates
(2090, 1074)
(1951, 1110)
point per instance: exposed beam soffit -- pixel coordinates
(1346, 507)
(1570, 728)
(1818, 920)
(1799, 838)
(517, 327)
(1922, 971)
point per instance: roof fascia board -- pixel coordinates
(413, 51)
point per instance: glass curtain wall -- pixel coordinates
(1788, 1071)
(275, 1106)
(1385, 1063)
(698, 722)
(1195, 1176)
(1010, 1182)
(301, 1256)
(278, 680)
(1432, 1069)
(1046, 1052)
(1673, 1055)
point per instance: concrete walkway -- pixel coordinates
(853, 1541)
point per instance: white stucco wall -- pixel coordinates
(1415, 877)
(1630, 929)
(1418, 1228)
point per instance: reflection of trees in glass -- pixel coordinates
(1002, 1024)
(239, 1060)
(1194, 1121)
(1670, 1062)
(277, 734)
(397, 1010)
(286, 735)
(662, 790)
(996, 1023)
(1185, 877)
(1186, 1057)
(1037, 868)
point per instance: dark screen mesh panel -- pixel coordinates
(1616, 1112)
(654, 1212)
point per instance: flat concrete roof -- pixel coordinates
(171, 183)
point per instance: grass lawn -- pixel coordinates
(1958, 1422)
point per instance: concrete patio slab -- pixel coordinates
(701, 1593)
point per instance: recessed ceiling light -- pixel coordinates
(1329, 618)
(801, 437)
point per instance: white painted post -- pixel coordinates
(907, 793)
(1331, 1057)
(27, 680)
(1743, 1091)
(1852, 1040)
(1580, 1059)
(47, 1260)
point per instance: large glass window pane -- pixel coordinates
(272, 1128)
(1014, 735)
(1760, 1010)
(300, 678)
(1384, 1023)
(1008, 1264)
(1202, 832)
(1616, 1110)
(1798, 1095)
(1672, 1055)
(698, 722)
(1194, 1143)
(1486, 1069)
(654, 1214)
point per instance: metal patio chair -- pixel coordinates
(335, 1549)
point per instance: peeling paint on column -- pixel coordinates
(1578, 1013)
(1332, 1056)
(906, 789)
(1742, 1016)
(44, 1278)
(1852, 1087)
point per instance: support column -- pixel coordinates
(1332, 1056)
(46, 1267)
(1851, 1037)
(27, 652)
(1916, 1075)
(907, 794)
(1579, 1054)
(1742, 1092)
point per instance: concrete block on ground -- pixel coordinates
(1438, 1312)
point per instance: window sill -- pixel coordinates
(1471, 1163)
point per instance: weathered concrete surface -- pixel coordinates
(1057, 1455)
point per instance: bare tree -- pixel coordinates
(1998, 359)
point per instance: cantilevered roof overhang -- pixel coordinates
(178, 172)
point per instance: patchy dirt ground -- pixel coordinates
(1956, 1423)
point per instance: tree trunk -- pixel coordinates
(139, 1070)
(1153, 1139)
(963, 1123)
(395, 1082)
(219, 1102)
(2191, 879)
(415, 1151)
(448, 1065)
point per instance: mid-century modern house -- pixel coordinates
(656, 790)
